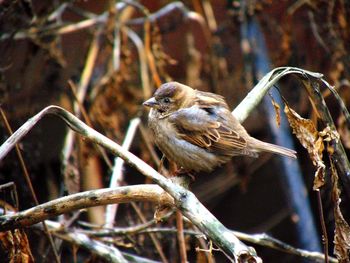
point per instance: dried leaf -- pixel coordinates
(329, 135)
(341, 236)
(17, 246)
(312, 141)
(342, 229)
(277, 111)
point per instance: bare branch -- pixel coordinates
(125, 194)
(185, 200)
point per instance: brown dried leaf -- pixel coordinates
(342, 229)
(329, 135)
(341, 236)
(312, 141)
(277, 111)
(17, 246)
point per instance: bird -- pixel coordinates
(197, 131)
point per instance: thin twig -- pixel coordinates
(31, 188)
(146, 86)
(181, 237)
(340, 101)
(209, 14)
(116, 48)
(153, 237)
(81, 92)
(15, 196)
(258, 239)
(323, 226)
(88, 121)
(118, 231)
(96, 20)
(117, 175)
(316, 33)
(203, 245)
(147, 40)
(109, 253)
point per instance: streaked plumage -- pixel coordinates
(197, 131)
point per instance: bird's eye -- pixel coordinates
(166, 100)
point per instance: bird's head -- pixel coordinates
(171, 97)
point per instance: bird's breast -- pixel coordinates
(178, 150)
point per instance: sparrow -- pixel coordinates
(197, 131)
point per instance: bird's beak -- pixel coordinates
(151, 103)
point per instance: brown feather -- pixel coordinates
(196, 129)
(216, 138)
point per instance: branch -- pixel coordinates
(258, 239)
(175, 13)
(110, 253)
(254, 97)
(125, 194)
(185, 200)
(117, 176)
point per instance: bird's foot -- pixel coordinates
(183, 177)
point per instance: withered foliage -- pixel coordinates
(316, 142)
(342, 228)
(17, 246)
(311, 140)
(277, 108)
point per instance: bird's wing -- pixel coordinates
(203, 127)
(208, 99)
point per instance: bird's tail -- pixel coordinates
(273, 148)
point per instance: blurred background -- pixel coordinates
(102, 59)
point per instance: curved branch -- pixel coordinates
(185, 200)
(254, 97)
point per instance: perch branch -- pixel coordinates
(185, 200)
